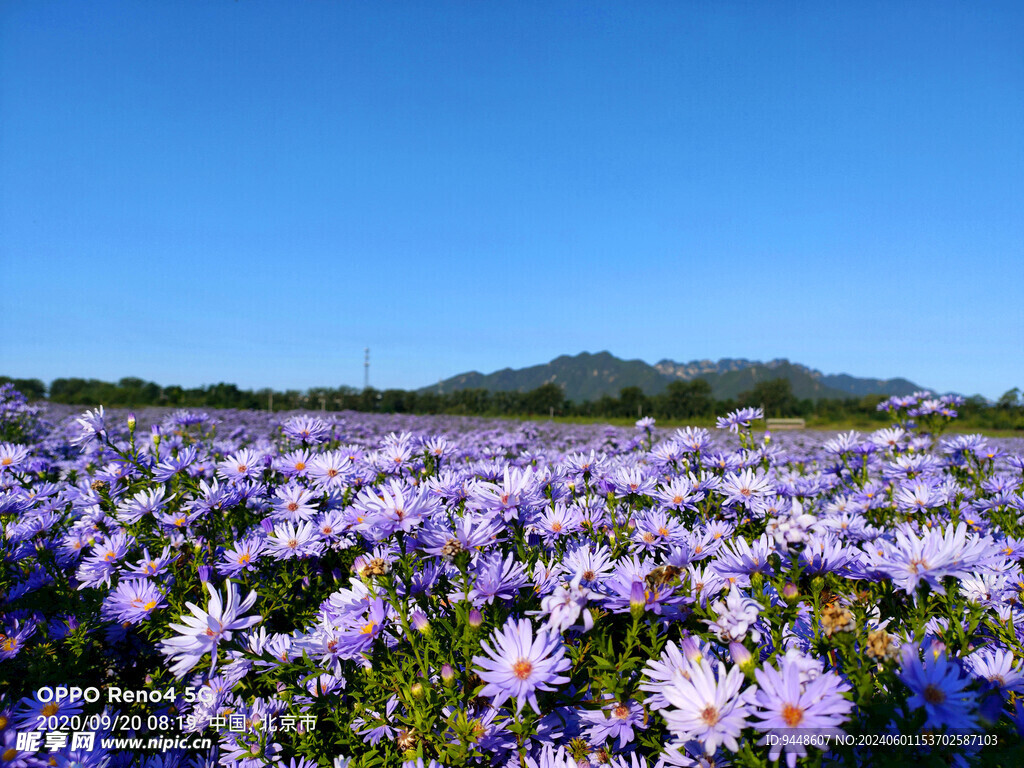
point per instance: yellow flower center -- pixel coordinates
(792, 716)
(522, 669)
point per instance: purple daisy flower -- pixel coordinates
(133, 601)
(739, 418)
(497, 578)
(150, 566)
(998, 668)
(293, 503)
(789, 700)
(390, 509)
(329, 470)
(242, 557)
(708, 708)
(520, 664)
(293, 464)
(745, 486)
(307, 429)
(143, 503)
(99, 567)
(31, 709)
(616, 720)
(552, 758)
(13, 637)
(516, 497)
(288, 541)
(245, 463)
(736, 615)
(203, 630)
(940, 687)
(91, 427)
(469, 532)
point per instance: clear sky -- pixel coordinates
(253, 192)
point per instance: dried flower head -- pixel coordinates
(451, 548)
(836, 618)
(880, 645)
(407, 739)
(376, 567)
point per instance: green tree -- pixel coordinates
(1009, 399)
(686, 399)
(32, 389)
(774, 395)
(544, 398)
(632, 402)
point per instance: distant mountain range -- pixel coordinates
(589, 376)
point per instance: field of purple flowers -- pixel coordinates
(370, 590)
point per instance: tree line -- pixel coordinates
(680, 400)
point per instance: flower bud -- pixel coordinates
(131, 422)
(937, 648)
(790, 592)
(691, 650)
(417, 690)
(637, 599)
(420, 623)
(204, 573)
(447, 674)
(475, 618)
(741, 655)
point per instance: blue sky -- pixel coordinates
(255, 191)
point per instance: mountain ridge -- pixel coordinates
(589, 376)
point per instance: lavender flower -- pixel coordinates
(708, 708)
(203, 631)
(134, 601)
(616, 720)
(736, 615)
(519, 664)
(939, 686)
(788, 700)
